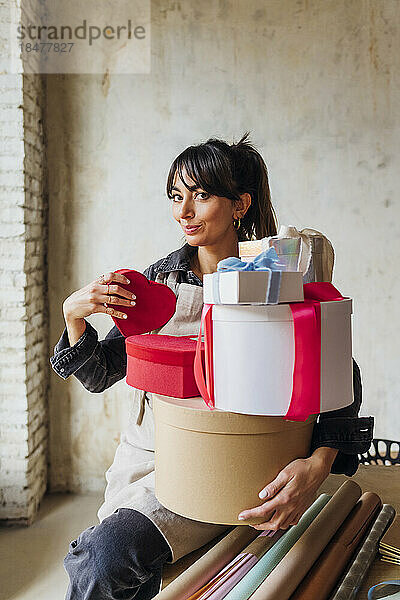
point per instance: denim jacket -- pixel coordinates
(100, 364)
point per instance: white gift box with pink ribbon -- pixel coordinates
(288, 360)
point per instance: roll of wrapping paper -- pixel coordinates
(355, 575)
(209, 564)
(226, 579)
(327, 570)
(255, 577)
(284, 579)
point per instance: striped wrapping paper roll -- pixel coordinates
(208, 565)
(225, 580)
(352, 581)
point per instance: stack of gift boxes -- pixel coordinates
(237, 404)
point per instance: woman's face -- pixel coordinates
(205, 219)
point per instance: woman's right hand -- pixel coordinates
(93, 298)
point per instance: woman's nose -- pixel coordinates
(186, 209)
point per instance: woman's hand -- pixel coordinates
(292, 491)
(93, 298)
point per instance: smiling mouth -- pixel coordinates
(191, 229)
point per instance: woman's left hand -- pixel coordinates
(292, 491)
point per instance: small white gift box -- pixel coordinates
(253, 287)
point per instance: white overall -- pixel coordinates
(130, 479)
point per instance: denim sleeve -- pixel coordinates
(97, 364)
(345, 431)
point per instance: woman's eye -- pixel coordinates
(199, 195)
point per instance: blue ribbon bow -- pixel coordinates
(268, 260)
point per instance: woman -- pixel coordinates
(220, 195)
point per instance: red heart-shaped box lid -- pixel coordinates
(155, 304)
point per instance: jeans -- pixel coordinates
(120, 558)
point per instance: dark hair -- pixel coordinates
(228, 171)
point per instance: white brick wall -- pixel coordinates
(24, 352)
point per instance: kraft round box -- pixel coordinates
(211, 465)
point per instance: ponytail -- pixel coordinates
(251, 175)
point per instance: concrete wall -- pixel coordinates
(317, 83)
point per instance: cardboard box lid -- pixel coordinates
(165, 349)
(194, 415)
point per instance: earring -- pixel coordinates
(236, 223)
